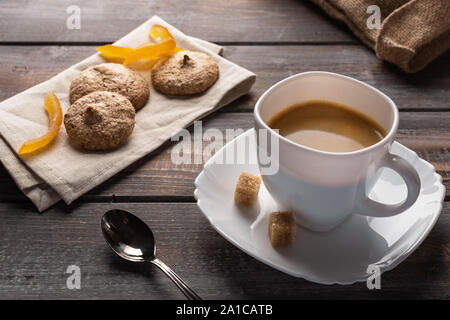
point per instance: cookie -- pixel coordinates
(100, 120)
(111, 77)
(185, 73)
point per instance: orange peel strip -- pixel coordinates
(54, 111)
(151, 52)
(175, 50)
(149, 64)
(114, 53)
(159, 34)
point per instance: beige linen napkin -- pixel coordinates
(64, 171)
(412, 33)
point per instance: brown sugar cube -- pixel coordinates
(281, 228)
(247, 189)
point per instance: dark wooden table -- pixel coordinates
(274, 39)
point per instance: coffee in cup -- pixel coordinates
(327, 126)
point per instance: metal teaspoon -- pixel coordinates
(133, 240)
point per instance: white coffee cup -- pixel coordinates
(324, 188)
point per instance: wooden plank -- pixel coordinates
(22, 67)
(230, 21)
(36, 250)
(156, 178)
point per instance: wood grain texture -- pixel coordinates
(275, 39)
(233, 21)
(156, 178)
(36, 250)
(22, 67)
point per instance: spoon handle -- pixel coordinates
(188, 292)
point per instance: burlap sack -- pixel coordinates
(412, 32)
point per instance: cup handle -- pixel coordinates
(409, 174)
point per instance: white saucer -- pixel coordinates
(339, 256)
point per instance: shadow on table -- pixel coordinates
(435, 71)
(422, 275)
(146, 279)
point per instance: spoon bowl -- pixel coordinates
(128, 236)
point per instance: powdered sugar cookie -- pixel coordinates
(184, 73)
(111, 77)
(100, 120)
